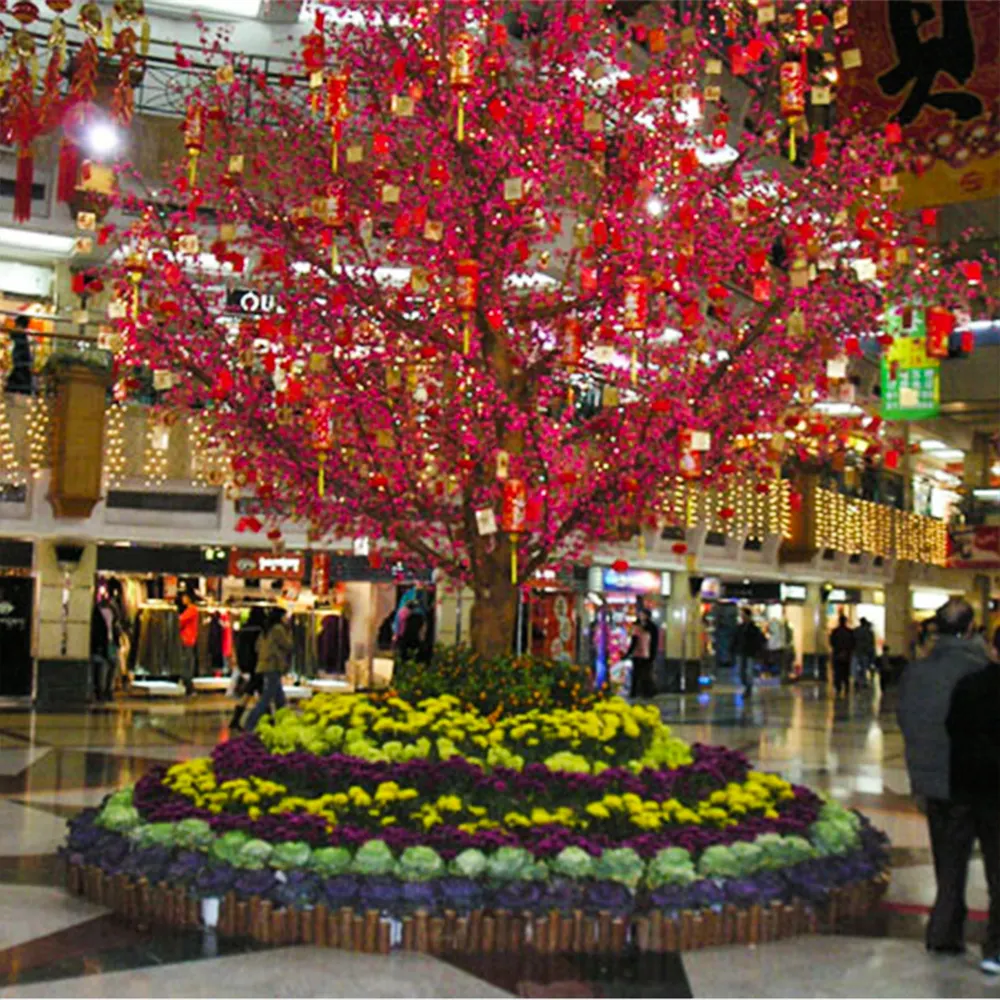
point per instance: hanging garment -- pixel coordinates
(335, 643)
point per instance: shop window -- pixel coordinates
(753, 545)
(715, 538)
(13, 493)
(830, 554)
(856, 558)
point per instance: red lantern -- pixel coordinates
(940, 323)
(336, 204)
(514, 517)
(466, 297)
(679, 548)
(635, 302)
(337, 110)
(572, 342)
(793, 89)
(461, 75)
(891, 459)
(968, 344)
(588, 282)
(620, 566)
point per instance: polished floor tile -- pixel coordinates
(280, 973)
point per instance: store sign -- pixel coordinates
(711, 589)
(250, 302)
(931, 68)
(637, 581)
(843, 595)
(257, 565)
(793, 592)
(752, 590)
(911, 379)
(974, 548)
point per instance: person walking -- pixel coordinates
(188, 625)
(748, 644)
(864, 650)
(974, 809)
(776, 646)
(929, 717)
(841, 652)
(642, 652)
(250, 682)
(274, 655)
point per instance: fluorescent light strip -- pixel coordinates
(29, 239)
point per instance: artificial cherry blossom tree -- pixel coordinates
(528, 267)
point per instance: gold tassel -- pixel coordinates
(460, 127)
(334, 255)
(635, 365)
(791, 144)
(192, 166)
(144, 37)
(335, 156)
(642, 545)
(467, 335)
(513, 559)
(321, 478)
(108, 38)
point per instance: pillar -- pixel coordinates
(898, 612)
(65, 570)
(813, 627)
(453, 614)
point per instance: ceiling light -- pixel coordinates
(655, 206)
(28, 239)
(231, 9)
(987, 494)
(932, 445)
(949, 454)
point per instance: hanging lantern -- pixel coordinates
(321, 419)
(135, 266)
(513, 517)
(940, 324)
(466, 297)
(460, 75)
(572, 342)
(635, 312)
(693, 445)
(793, 98)
(194, 137)
(337, 111)
(337, 216)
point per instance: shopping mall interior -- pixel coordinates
(489, 493)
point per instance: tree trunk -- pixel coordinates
(494, 612)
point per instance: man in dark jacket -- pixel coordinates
(925, 706)
(841, 650)
(974, 810)
(748, 644)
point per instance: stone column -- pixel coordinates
(898, 612)
(65, 571)
(813, 641)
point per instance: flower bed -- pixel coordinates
(435, 812)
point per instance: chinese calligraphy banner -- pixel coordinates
(911, 385)
(931, 66)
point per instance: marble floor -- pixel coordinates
(54, 764)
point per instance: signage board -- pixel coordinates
(974, 547)
(793, 591)
(250, 302)
(636, 581)
(257, 564)
(911, 379)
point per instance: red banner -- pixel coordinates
(257, 564)
(321, 573)
(974, 548)
(931, 66)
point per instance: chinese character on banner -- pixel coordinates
(321, 573)
(930, 66)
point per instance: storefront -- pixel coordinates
(613, 600)
(343, 611)
(17, 603)
(854, 603)
(778, 608)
